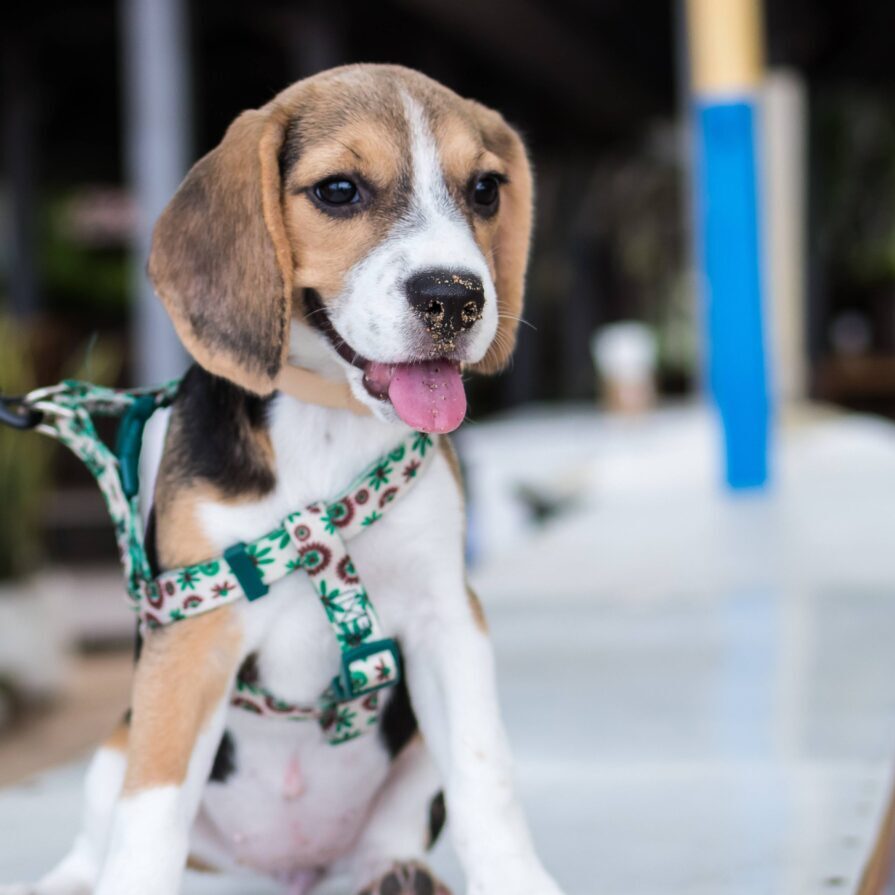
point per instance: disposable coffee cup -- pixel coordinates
(624, 356)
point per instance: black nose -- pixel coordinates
(449, 302)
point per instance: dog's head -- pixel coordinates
(368, 222)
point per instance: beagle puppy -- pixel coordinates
(370, 229)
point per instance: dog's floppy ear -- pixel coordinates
(220, 258)
(513, 236)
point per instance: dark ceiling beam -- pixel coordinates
(542, 49)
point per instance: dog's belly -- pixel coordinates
(291, 800)
(285, 798)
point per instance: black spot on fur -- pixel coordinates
(215, 423)
(398, 723)
(150, 542)
(437, 818)
(391, 885)
(248, 672)
(225, 761)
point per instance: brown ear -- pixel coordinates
(220, 259)
(513, 237)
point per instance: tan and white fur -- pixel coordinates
(232, 256)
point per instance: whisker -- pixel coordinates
(518, 319)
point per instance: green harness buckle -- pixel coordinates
(246, 572)
(354, 678)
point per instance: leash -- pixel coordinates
(311, 540)
(16, 414)
(65, 413)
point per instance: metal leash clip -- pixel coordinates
(34, 410)
(18, 412)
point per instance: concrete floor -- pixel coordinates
(699, 689)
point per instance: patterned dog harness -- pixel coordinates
(312, 540)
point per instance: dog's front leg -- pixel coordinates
(181, 686)
(451, 676)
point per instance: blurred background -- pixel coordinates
(595, 463)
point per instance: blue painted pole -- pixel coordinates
(725, 64)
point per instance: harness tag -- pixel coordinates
(246, 572)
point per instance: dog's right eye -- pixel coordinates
(336, 191)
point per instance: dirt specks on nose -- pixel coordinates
(470, 314)
(448, 303)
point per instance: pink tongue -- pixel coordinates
(428, 396)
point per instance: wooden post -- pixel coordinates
(726, 61)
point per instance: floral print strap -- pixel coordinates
(182, 593)
(67, 410)
(312, 539)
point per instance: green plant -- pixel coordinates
(24, 462)
(25, 457)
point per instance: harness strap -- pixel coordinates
(67, 412)
(312, 539)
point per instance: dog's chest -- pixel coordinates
(292, 797)
(318, 454)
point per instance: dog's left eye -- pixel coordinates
(337, 191)
(486, 194)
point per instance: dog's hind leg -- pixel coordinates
(77, 872)
(407, 817)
